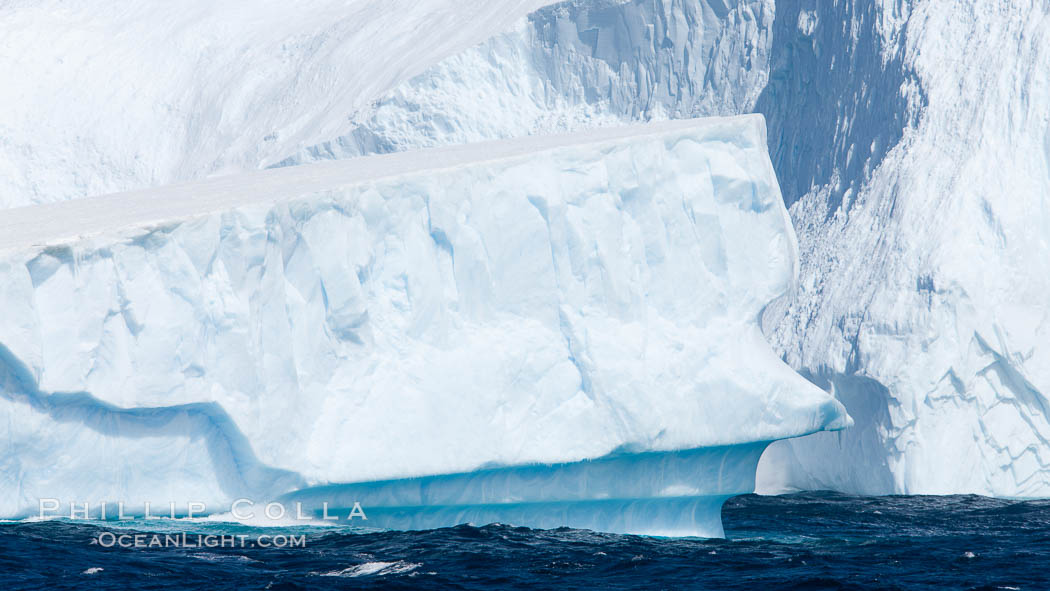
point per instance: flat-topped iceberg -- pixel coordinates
(554, 321)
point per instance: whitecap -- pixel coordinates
(377, 568)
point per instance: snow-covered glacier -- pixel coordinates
(555, 330)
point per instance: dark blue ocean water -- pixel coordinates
(805, 541)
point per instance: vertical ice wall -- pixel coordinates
(574, 65)
(547, 300)
(911, 139)
(925, 263)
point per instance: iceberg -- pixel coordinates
(552, 330)
(921, 304)
(677, 493)
(167, 94)
(922, 225)
(151, 93)
(931, 327)
(572, 66)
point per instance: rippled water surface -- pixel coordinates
(805, 541)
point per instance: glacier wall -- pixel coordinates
(925, 265)
(75, 447)
(917, 180)
(540, 301)
(573, 65)
(840, 95)
(910, 139)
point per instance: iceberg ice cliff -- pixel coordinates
(910, 138)
(912, 142)
(926, 265)
(573, 65)
(576, 312)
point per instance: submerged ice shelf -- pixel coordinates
(677, 493)
(546, 301)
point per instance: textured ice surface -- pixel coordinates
(655, 493)
(101, 97)
(544, 300)
(574, 65)
(912, 140)
(923, 228)
(145, 95)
